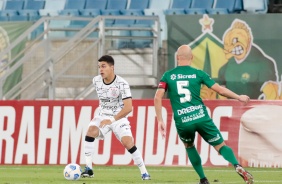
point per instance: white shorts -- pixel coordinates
(120, 127)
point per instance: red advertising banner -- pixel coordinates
(52, 132)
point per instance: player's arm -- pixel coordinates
(230, 94)
(158, 108)
(127, 108)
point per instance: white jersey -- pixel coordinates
(111, 95)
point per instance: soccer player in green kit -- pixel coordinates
(183, 85)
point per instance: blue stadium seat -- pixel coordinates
(138, 4)
(181, 4)
(238, 7)
(117, 4)
(113, 8)
(136, 7)
(202, 4)
(222, 7)
(156, 4)
(72, 7)
(14, 5)
(34, 4)
(93, 7)
(255, 6)
(31, 9)
(52, 7)
(199, 6)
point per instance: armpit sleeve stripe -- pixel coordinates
(126, 98)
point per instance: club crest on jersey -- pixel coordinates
(114, 92)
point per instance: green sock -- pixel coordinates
(228, 154)
(196, 161)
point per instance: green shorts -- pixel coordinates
(207, 129)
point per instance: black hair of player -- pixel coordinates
(107, 58)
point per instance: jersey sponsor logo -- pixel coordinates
(181, 76)
(214, 139)
(173, 77)
(105, 100)
(189, 109)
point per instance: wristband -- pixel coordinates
(112, 119)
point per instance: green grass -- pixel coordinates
(10, 174)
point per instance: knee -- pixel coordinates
(189, 145)
(93, 131)
(127, 142)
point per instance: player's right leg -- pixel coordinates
(92, 133)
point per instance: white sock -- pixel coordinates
(88, 150)
(138, 160)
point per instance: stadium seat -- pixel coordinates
(199, 6)
(52, 7)
(72, 7)
(202, 4)
(113, 8)
(137, 4)
(14, 5)
(155, 4)
(238, 7)
(181, 4)
(31, 9)
(136, 7)
(178, 7)
(117, 4)
(255, 6)
(222, 7)
(93, 7)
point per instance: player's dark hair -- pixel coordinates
(108, 59)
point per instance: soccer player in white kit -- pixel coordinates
(115, 103)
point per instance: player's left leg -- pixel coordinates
(128, 143)
(122, 131)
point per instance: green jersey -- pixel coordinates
(183, 85)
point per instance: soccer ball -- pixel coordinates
(72, 171)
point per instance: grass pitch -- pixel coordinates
(10, 174)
